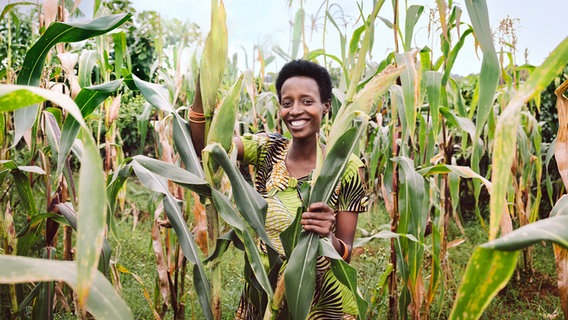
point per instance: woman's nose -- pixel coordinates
(297, 108)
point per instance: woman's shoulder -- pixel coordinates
(263, 136)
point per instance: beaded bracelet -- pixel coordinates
(345, 249)
(196, 117)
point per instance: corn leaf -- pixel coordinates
(214, 57)
(505, 142)
(250, 203)
(92, 209)
(175, 174)
(32, 66)
(10, 6)
(16, 97)
(173, 211)
(87, 100)
(413, 14)
(223, 123)
(410, 80)
(22, 182)
(87, 62)
(487, 272)
(462, 171)
(157, 96)
(225, 209)
(104, 302)
(550, 229)
(561, 147)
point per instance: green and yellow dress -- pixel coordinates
(266, 152)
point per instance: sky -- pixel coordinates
(539, 25)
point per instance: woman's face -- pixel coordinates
(301, 107)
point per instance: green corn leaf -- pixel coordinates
(505, 141)
(87, 62)
(250, 203)
(289, 237)
(159, 184)
(32, 67)
(487, 272)
(453, 56)
(433, 81)
(114, 184)
(462, 123)
(223, 205)
(175, 174)
(214, 58)
(88, 99)
(413, 14)
(70, 215)
(16, 97)
(223, 123)
(10, 6)
(92, 209)
(300, 275)
(357, 71)
(157, 96)
(549, 229)
(362, 102)
(298, 27)
(489, 74)
(104, 302)
(222, 245)
(462, 171)
(410, 79)
(22, 183)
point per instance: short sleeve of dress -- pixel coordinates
(263, 150)
(254, 146)
(351, 194)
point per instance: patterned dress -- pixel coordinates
(266, 152)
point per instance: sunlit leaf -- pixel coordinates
(103, 302)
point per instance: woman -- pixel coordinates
(304, 92)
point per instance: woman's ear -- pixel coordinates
(326, 107)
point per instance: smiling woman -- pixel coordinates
(282, 167)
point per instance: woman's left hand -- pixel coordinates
(319, 218)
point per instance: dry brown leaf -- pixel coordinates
(49, 11)
(161, 265)
(113, 109)
(561, 150)
(455, 243)
(200, 229)
(561, 257)
(68, 62)
(389, 206)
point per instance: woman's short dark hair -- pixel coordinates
(305, 68)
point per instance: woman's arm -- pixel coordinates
(320, 218)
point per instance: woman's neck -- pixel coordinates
(301, 158)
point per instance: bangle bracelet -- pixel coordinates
(345, 249)
(193, 113)
(196, 121)
(196, 117)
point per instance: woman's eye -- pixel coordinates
(286, 104)
(306, 101)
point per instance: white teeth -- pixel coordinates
(298, 123)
